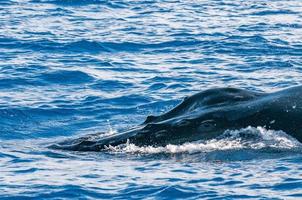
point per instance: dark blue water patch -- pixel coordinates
(288, 186)
(268, 50)
(291, 179)
(177, 86)
(87, 46)
(59, 12)
(168, 79)
(138, 192)
(126, 67)
(268, 65)
(65, 191)
(232, 182)
(160, 192)
(8, 83)
(297, 195)
(245, 155)
(126, 100)
(12, 43)
(53, 46)
(281, 168)
(93, 46)
(274, 12)
(250, 45)
(278, 41)
(52, 154)
(131, 46)
(192, 36)
(38, 113)
(29, 122)
(6, 155)
(26, 171)
(7, 3)
(27, 69)
(254, 27)
(99, 108)
(19, 160)
(19, 75)
(178, 192)
(197, 181)
(71, 2)
(13, 115)
(83, 3)
(286, 25)
(284, 84)
(111, 85)
(206, 60)
(7, 41)
(246, 42)
(82, 60)
(243, 196)
(66, 77)
(157, 86)
(54, 12)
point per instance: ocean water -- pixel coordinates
(75, 67)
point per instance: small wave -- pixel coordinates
(92, 46)
(274, 12)
(249, 138)
(71, 2)
(66, 77)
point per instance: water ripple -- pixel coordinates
(78, 67)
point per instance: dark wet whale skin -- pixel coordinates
(207, 115)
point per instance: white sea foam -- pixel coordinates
(246, 138)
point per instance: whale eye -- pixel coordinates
(207, 125)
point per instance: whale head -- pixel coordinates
(207, 115)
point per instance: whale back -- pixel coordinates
(217, 97)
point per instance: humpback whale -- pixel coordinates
(206, 115)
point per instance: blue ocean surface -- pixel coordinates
(74, 67)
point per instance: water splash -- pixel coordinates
(111, 130)
(247, 138)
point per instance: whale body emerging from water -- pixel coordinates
(207, 115)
